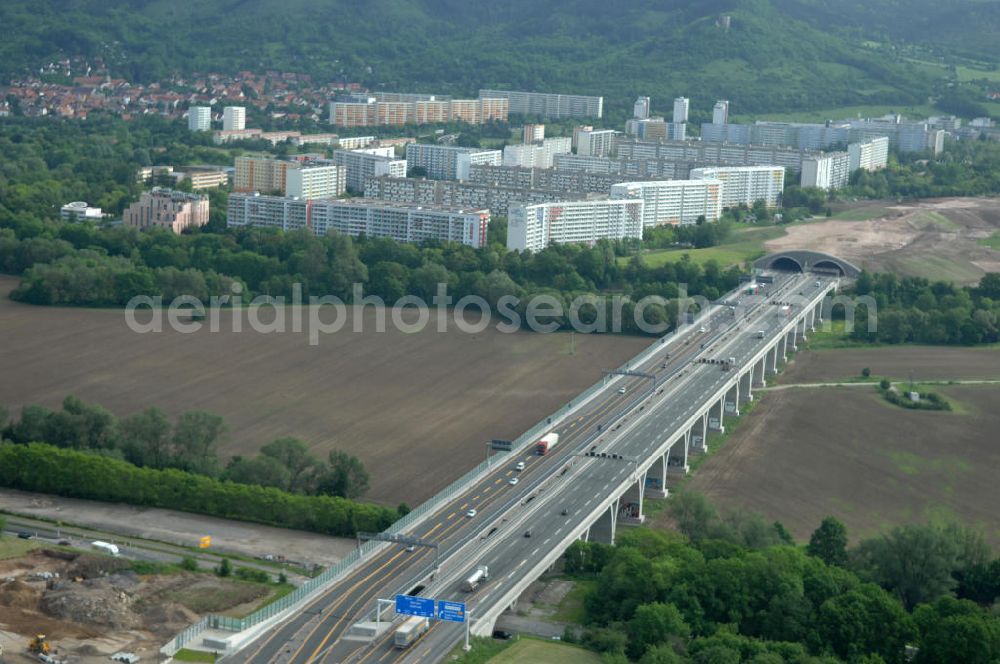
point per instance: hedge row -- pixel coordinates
(65, 472)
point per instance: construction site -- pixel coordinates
(59, 605)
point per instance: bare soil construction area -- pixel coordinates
(417, 409)
(88, 607)
(933, 238)
(805, 453)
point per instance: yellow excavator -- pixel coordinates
(38, 645)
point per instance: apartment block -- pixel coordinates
(536, 155)
(534, 227)
(374, 218)
(303, 177)
(206, 178)
(714, 153)
(394, 108)
(234, 118)
(316, 180)
(641, 108)
(828, 171)
(720, 112)
(532, 133)
(355, 142)
(870, 156)
(681, 108)
(596, 143)
(545, 179)
(420, 191)
(168, 209)
(547, 104)
(364, 163)
(200, 118)
(745, 185)
(446, 162)
(673, 201)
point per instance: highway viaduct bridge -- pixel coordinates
(626, 438)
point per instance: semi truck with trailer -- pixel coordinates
(411, 630)
(547, 442)
(481, 574)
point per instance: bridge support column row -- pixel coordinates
(656, 478)
(698, 436)
(716, 414)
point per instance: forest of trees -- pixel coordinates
(734, 588)
(911, 309)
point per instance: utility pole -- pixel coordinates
(468, 623)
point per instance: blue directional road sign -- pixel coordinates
(415, 606)
(453, 611)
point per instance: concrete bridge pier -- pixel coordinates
(656, 478)
(733, 400)
(698, 438)
(772, 359)
(630, 503)
(603, 530)
(746, 386)
(677, 456)
(783, 343)
(716, 415)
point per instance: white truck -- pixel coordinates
(106, 547)
(548, 441)
(481, 574)
(411, 630)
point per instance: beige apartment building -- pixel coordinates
(167, 208)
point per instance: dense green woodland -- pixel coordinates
(775, 57)
(911, 309)
(735, 588)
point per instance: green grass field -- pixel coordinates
(14, 547)
(185, 655)
(537, 651)
(746, 244)
(863, 213)
(938, 268)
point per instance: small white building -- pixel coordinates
(79, 211)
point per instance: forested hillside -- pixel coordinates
(766, 61)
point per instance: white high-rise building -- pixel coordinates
(673, 201)
(315, 180)
(870, 156)
(200, 118)
(745, 185)
(364, 163)
(596, 143)
(234, 118)
(446, 162)
(536, 155)
(681, 105)
(641, 108)
(828, 171)
(537, 226)
(720, 112)
(533, 133)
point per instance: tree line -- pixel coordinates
(149, 440)
(734, 588)
(77, 474)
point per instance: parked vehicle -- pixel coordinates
(411, 630)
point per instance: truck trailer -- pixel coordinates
(411, 630)
(481, 574)
(547, 442)
(105, 547)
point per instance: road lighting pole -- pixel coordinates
(468, 627)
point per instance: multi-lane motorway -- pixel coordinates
(496, 535)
